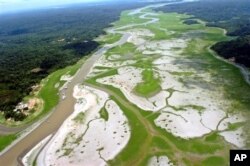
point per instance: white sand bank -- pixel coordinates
(160, 161)
(85, 138)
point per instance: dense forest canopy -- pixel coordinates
(239, 49)
(232, 15)
(45, 40)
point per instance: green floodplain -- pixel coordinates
(147, 139)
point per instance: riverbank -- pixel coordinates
(195, 94)
(192, 118)
(12, 132)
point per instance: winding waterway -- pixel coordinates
(13, 154)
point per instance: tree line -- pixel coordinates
(34, 44)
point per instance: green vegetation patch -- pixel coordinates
(190, 21)
(213, 137)
(80, 117)
(138, 139)
(123, 49)
(126, 19)
(150, 84)
(104, 114)
(49, 93)
(67, 151)
(161, 144)
(235, 126)
(145, 63)
(6, 140)
(214, 161)
(111, 38)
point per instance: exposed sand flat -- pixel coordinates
(164, 60)
(169, 67)
(163, 45)
(203, 111)
(170, 63)
(169, 81)
(136, 41)
(96, 71)
(160, 161)
(184, 124)
(127, 80)
(190, 124)
(112, 137)
(200, 97)
(190, 111)
(211, 118)
(114, 57)
(155, 52)
(106, 63)
(85, 138)
(67, 79)
(138, 36)
(213, 115)
(87, 104)
(128, 70)
(235, 137)
(231, 119)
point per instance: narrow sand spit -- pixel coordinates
(30, 157)
(66, 78)
(160, 161)
(114, 57)
(104, 62)
(96, 71)
(85, 138)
